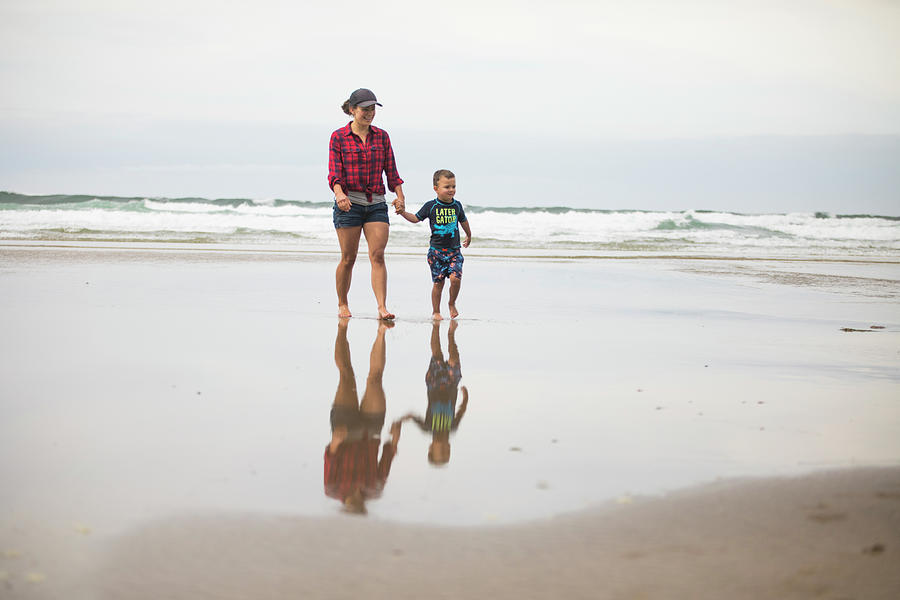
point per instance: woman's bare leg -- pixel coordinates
(377, 238)
(348, 238)
(346, 395)
(346, 391)
(373, 400)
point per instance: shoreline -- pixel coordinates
(411, 252)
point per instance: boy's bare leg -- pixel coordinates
(436, 351)
(377, 239)
(373, 397)
(436, 290)
(348, 238)
(452, 350)
(455, 283)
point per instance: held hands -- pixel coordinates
(399, 204)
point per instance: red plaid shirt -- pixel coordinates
(356, 465)
(357, 166)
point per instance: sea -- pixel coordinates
(296, 225)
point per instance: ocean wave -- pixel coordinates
(277, 221)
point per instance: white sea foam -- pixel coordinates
(179, 220)
(236, 221)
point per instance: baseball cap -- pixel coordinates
(363, 98)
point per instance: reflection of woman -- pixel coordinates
(358, 155)
(353, 472)
(442, 381)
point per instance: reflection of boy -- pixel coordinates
(445, 215)
(353, 472)
(442, 382)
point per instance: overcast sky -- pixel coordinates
(640, 104)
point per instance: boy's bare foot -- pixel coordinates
(384, 313)
(453, 312)
(344, 311)
(436, 317)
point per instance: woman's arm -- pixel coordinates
(400, 201)
(336, 172)
(390, 167)
(343, 202)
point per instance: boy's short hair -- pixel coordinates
(442, 173)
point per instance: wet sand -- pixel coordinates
(824, 536)
(165, 413)
(827, 535)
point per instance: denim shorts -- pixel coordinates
(359, 215)
(359, 424)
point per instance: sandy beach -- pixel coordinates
(641, 427)
(825, 536)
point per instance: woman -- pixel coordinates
(358, 155)
(353, 471)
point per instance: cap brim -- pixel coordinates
(368, 103)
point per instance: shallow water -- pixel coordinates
(138, 385)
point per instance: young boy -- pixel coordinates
(442, 382)
(444, 213)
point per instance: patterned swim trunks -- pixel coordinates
(445, 262)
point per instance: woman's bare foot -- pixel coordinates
(453, 312)
(344, 311)
(384, 313)
(436, 317)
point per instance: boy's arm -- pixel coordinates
(408, 216)
(465, 226)
(417, 420)
(465, 403)
(400, 209)
(462, 409)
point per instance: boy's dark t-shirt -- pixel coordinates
(442, 383)
(443, 219)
